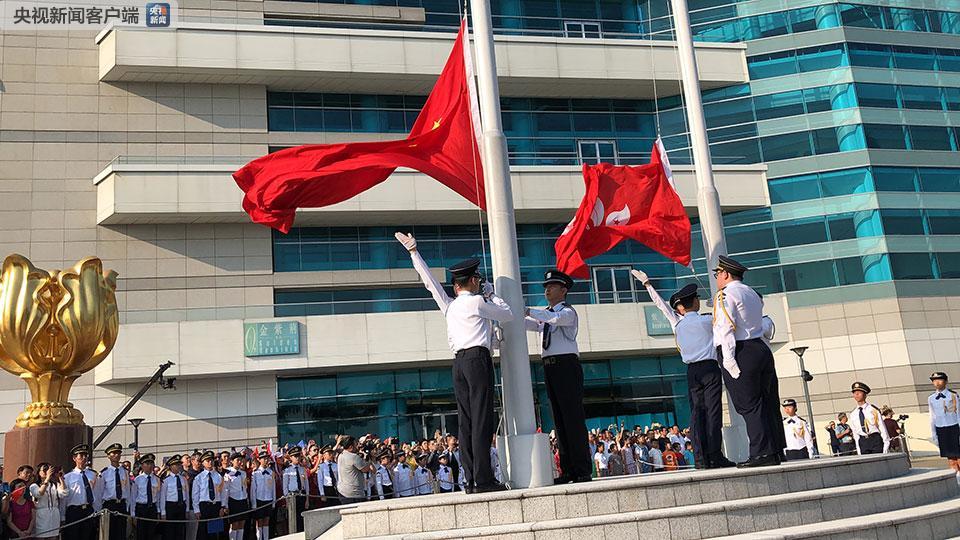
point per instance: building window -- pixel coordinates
(594, 152)
(912, 265)
(614, 285)
(581, 29)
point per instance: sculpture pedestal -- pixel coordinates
(30, 446)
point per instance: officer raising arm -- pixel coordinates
(694, 334)
(558, 326)
(470, 317)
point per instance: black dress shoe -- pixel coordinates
(490, 488)
(760, 461)
(562, 479)
(469, 489)
(720, 463)
(582, 479)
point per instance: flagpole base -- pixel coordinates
(527, 460)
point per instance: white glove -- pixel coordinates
(487, 288)
(733, 369)
(640, 276)
(407, 240)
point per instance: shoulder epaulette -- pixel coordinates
(952, 392)
(103, 470)
(875, 407)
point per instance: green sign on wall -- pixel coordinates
(657, 324)
(271, 338)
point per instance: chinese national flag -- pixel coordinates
(442, 144)
(621, 202)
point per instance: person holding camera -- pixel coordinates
(47, 493)
(351, 471)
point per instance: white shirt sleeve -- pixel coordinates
(723, 332)
(532, 324)
(495, 309)
(563, 317)
(430, 282)
(933, 420)
(669, 313)
(769, 329)
(196, 494)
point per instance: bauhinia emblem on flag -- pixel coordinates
(441, 144)
(622, 202)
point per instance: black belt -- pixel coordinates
(80, 506)
(464, 351)
(554, 358)
(701, 360)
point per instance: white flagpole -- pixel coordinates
(527, 452)
(708, 200)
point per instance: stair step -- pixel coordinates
(934, 521)
(705, 520)
(613, 496)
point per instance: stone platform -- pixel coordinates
(858, 496)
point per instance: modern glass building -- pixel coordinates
(834, 129)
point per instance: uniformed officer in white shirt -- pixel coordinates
(748, 368)
(558, 326)
(944, 405)
(81, 498)
(470, 317)
(385, 476)
(174, 496)
(295, 481)
(327, 477)
(866, 423)
(694, 336)
(263, 494)
(114, 491)
(422, 477)
(797, 432)
(146, 498)
(209, 497)
(236, 484)
(403, 477)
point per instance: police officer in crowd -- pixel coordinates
(208, 495)
(146, 498)
(174, 496)
(81, 499)
(263, 493)
(694, 336)
(748, 367)
(236, 484)
(945, 420)
(866, 423)
(797, 432)
(114, 491)
(563, 375)
(327, 477)
(470, 317)
(385, 475)
(403, 477)
(295, 481)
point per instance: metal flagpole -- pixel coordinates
(527, 452)
(708, 200)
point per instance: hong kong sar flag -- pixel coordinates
(639, 203)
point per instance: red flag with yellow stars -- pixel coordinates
(442, 144)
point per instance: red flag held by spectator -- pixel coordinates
(442, 144)
(621, 202)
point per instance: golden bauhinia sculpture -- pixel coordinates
(55, 326)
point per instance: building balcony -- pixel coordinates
(181, 190)
(341, 60)
(327, 343)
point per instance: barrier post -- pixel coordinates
(104, 525)
(291, 513)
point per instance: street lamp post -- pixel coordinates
(806, 377)
(136, 432)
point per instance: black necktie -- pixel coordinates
(296, 469)
(266, 472)
(210, 491)
(790, 421)
(149, 490)
(941, 396)
(118, 490)
(863, 421)
(86, 487)
(179, 490)
(546, 333)
(333, 477)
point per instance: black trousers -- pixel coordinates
(208, 510)
(756, 396)
(82, 531)
(705, 388)
(563, 376)
(387, 491)
(118, 524)
(145, 529)
(473, 389)
(793, 455)
(848, 449)
(871, 444)
(175, 531)
(332, 495)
